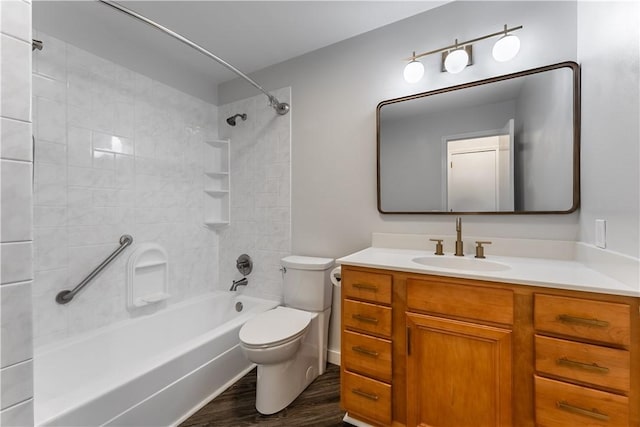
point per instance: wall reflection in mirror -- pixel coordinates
(509, 144)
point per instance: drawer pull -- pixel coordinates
(364, 394)
(593, 413)
(594, 367)
(565, 318)
(365, 319)
(365, 351)
(365, 287)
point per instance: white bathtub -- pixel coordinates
(149, 371)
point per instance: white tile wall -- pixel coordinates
(15, 318)
(16, 384)
(15, 80)
(116, 153)
(16, 263)
(260, 194)
(16, 201)
(16, 270)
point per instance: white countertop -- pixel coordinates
(548, 273)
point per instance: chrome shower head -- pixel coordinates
(232, 120)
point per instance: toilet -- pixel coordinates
(289, 343)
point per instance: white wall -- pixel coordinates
(16, 269)
(89, 190)
(260, 223)
(336, 90)
(608, 49)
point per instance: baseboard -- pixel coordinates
(333, 356)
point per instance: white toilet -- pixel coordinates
(289, 344)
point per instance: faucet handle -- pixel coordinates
(480, 248)
(439, 250)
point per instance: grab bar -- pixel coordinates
(65, 296)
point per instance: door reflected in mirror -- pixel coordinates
(509, 144)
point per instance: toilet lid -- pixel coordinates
(274, 326)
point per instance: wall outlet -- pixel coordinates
(601, 233)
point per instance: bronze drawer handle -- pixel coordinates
(593, 413)
(565, 318)
(365, 287)
(365, 319)
(594, 367)
(364, 394)
(365, 351)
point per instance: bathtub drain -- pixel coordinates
(239, 306)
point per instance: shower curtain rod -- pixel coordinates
(280, 107)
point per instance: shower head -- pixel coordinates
(232, 120)
(36, 44)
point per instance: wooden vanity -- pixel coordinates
(428, 350)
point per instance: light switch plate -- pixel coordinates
(601, 233)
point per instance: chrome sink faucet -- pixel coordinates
(459, 246)
(236, 283)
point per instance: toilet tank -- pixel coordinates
(307, 284)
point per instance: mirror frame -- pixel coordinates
(576, 137)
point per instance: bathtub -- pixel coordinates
(154, 370)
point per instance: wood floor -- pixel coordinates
(318, 405)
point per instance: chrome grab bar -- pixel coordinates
(65, 296)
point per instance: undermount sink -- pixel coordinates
(472, 264)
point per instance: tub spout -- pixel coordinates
(242, 282)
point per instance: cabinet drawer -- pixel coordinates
(366, 397)
(560, 404)
(587, 363)
(366, 317)
(374, 287)
(367, 355)
(471, 302)
(575, 317)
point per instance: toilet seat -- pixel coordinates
(275, 327)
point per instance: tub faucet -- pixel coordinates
(459, 249)
(242, 282)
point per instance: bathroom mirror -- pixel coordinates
(504, 145)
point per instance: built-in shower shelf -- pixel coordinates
(217, 193)
(216, 183)
(150, 299)
(216, 223)
(217, 174)
(150, 264)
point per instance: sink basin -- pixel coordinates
(471, 264)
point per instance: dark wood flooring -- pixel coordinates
(318, 405)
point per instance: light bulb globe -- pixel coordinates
(413, 72)
(506, 48)
(456, 61)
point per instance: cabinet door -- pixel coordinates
(458, 373)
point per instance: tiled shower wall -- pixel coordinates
(116, 153)
(16, 270)
(260, 194)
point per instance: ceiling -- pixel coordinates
(250, 35)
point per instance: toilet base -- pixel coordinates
(278, 385)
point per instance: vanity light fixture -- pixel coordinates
(414, 70)
(458, 56)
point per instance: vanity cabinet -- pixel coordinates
(427, 350)
(582, 361)
(458, 356)
(366, 347)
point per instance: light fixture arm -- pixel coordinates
(456, 44)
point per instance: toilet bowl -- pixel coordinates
(275, 335)
(289, 343)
